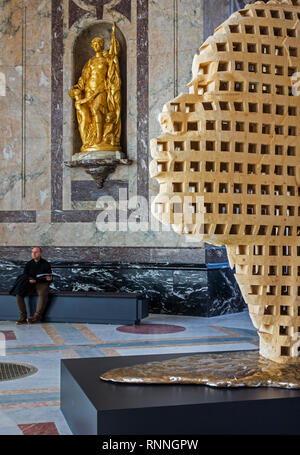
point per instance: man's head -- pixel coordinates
(36, 253)
(98, 44)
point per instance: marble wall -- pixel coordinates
(193, 290)
(43, 202)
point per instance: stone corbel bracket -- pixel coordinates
(99, 168)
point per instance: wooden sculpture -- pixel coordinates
(228, 163)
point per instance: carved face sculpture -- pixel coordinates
(228, 163)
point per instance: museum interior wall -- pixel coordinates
(101, 237)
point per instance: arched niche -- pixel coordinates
(82, 52)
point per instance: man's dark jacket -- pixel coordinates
(21, 286)
(31, 269)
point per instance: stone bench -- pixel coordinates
(85, 307)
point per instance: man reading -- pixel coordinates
(39, 275)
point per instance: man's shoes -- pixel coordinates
(36, 318)
(22, 320)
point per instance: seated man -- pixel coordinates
(39, 274)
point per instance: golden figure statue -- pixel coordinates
(97, 97)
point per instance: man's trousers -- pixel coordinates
(42, 290)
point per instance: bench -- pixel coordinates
(85, 307)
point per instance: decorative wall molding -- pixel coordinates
(175, 37)
(142, 65)
(23, 152)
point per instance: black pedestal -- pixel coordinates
(92, 406)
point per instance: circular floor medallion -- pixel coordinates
(150, 329)
(9, 371)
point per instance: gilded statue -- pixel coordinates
(97, 96)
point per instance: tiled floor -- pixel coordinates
(30, 405)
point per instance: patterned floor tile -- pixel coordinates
(151, 328)
(30, 406)
(8, 334)
(39, 428)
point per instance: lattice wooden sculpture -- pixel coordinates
(229, 159)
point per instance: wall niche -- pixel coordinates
(82, 52)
